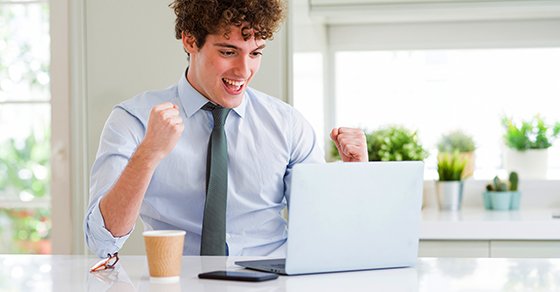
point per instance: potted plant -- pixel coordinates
(392, 143)
(502, 195)
(527, 144)
(449, 187)
(459, 141)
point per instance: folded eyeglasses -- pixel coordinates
(106, 264)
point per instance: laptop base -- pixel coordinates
(277, 266)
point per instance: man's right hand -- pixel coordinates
(165, 127)
(121, 205)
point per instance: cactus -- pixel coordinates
(500, 186)
(513, 181)
(496, 183)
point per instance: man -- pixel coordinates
(155, 159)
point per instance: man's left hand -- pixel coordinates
(351, 144)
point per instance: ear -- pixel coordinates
(189, 42)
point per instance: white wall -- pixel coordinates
(130, 47)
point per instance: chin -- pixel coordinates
(232, 101)
(232, 104)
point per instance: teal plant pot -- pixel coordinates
(487, 201)
(501, 200)
(515, 200)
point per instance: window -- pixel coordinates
(434, 76)
(308, 89)
(24, 127)
(434, 91)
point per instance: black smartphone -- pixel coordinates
(238, 276)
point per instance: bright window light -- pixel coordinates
(308, 89)
(435, 91)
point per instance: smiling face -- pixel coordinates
(223, 67)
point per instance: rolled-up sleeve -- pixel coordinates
(99, 239)
(121, 135)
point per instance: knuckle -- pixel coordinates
(154, 110)
(178, 127)
(343, 140)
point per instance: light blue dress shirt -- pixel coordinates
(265, 138)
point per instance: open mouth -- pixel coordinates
(233, 87)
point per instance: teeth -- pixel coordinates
(234, 83)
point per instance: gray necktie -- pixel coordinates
(214, 221)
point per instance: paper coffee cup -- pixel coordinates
(164, 249)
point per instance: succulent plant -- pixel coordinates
(513, 181)
(498, 185)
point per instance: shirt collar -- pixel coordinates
(193, 101)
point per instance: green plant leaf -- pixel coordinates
(391, 143)
(456, 140)
(451, 166)
(529, 134)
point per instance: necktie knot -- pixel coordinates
(218, 112)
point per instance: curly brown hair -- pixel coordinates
(260, 18)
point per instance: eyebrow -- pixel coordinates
(225, 45)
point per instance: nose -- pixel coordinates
(243, 66)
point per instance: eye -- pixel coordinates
(256, 54)
(227, 53)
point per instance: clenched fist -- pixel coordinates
(165, 127)
(351, 144)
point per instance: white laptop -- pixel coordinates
(351, 216)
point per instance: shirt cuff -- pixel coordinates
(101, 241)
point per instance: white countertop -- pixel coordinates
(70, 273)
(480, 224)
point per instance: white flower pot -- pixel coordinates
(529, 164)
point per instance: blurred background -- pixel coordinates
(429, 66)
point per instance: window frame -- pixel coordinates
(40, 203)
(68, 135)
